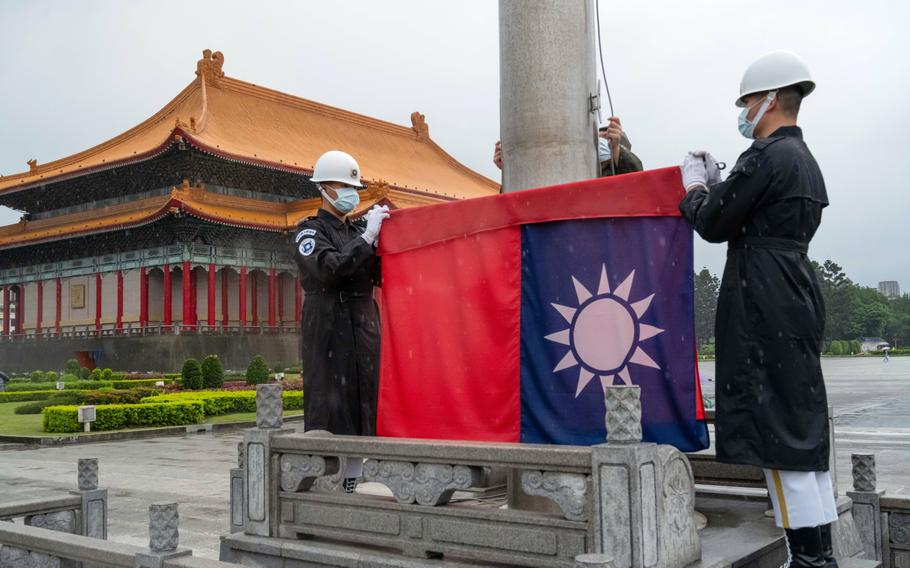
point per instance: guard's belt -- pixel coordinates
(772, 243)
(340, 295)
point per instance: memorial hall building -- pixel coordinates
(171, 239)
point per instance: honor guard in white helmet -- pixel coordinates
(340, 321)
(772, 409)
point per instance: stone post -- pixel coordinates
(164, 537)
(237, 491)
(624, 475)
(643, 494)
(867, 512)
(261, 469)
(832, 451)
(94, 500)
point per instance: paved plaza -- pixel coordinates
(872, 402)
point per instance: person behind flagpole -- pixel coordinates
(772, 408)
(613, 144)
(340, 322)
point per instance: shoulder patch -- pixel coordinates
(305, 233)
(307, 246)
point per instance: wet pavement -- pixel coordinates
(871, 401)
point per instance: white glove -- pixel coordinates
(374, 217)
(711, 166)
(694, 172)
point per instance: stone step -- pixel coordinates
(4, 447)
(858, 563)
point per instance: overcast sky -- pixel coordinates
(73, 74)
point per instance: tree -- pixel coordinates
(258, 372)
(191, 374)
(72, 367)
(212, 372)
(707, 287)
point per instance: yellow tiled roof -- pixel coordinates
(252, 124)
(194, 201)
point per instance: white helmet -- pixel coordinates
(774, 71)
(339, 166)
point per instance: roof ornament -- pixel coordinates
(420, 126)
(32, 165)
(209, 67)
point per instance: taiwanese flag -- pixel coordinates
(503, 317)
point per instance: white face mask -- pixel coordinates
(746, 126)
(348, 199)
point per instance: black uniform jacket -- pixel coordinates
(771, 401)
(340, 325)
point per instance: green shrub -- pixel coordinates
(258, 372)
(227, 402)
(78, 385)
(52, 376)
(855, 346)
(212, 372)
(25, 396)
(84, 373)
(36, 376)
(56, 399)
(129, 396)
(172, 376)
(117, 416)
(95, 375)
(71, 367)
(134, 383)
(191, 374)
(106, 374)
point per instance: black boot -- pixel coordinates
(806, 547)
(827, 546)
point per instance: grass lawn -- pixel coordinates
(12, 424)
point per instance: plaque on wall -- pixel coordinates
(77, 296)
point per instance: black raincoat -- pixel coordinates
(771, 402)
(340, 325)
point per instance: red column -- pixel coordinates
(194, 286)
(168, 307)
(272, 288)
(119, 301)
(187, 293)
(98, 301)
(143, 297)
(242, 299)
(254, 298)
(298, 299)
(6, 311)
(225, 312)
(211, 294)
(59, 304)
(39, 312)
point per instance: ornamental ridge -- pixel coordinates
(209, 67)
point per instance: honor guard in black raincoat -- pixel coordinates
(340, 321)
(771, 408)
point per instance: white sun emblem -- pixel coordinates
(604, 333)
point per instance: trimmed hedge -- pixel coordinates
(26, 396)
(87, 385)
(62, 419)
(226, 402)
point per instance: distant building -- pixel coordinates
(171, 239)
(873, 344)
(889, 289)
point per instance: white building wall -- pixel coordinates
(156, 295)
(176, 295)
(108, 297)
(70, 316)
(49, 315)
(132, 295)
(31, 305)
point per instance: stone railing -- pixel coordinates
(83, 512)
(632, 500)
(70, 532)
(883, 522)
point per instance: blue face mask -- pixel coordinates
(348, 199)
(746, 126)
(603, 150)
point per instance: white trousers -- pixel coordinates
(801, 498)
